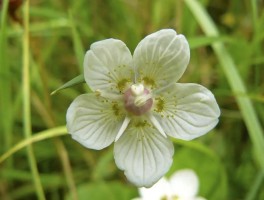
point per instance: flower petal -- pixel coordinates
(200, 198)
(186, 111)
(107, 66)
(184, 184)
(160, 190)
(143, 153)
(161, 58)
(93, 121)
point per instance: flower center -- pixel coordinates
(138, 100)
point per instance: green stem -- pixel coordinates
(254, 11)
(50, 133)
(5, 82)
(26, 103)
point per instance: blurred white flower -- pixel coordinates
(137, 104)
(182, 185)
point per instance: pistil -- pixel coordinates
(138, 100)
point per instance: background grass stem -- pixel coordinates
(236, 83)
(27, 104)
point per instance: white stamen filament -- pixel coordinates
(157, 125)
(107, 95)
(123, 128)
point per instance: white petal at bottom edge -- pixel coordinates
(184, 184)
(158, 191)
(93, 121)
(143, 153)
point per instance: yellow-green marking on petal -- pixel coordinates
(159, 104)
(149, 82)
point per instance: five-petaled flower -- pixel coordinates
(138, 105)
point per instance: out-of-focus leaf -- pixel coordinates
(105, 166)
(105, 190)
(213, 183)
(206, 40)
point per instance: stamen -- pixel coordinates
(138, 100)
(157, 124)
(123, 128)
(107, 95)
(141, 100)
(137, 89)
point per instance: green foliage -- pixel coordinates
(194, 155)
(226, 40)
(110, 190)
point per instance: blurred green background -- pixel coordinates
(42, 45)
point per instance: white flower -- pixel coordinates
(138, 105)
(182, 185)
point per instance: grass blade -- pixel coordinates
(77, 43)
(26, 103)
(255, 186)
(5, 83)
(228, 66)
(75, 81)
